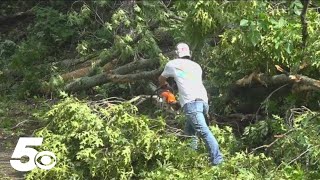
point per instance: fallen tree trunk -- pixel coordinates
(300, 82)
(246, 94)
(76, 74)
(86, 71)
(114, 75)
(88, 82)
(73, 62)
(136, 76)
(140, 64)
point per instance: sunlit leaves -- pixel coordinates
(79, 18)
(296, 7)
(265, 34)
(244, 22)
(82, 48)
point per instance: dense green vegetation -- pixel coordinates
(79, 67)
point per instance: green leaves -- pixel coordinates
(255, 36)
(103, 148)
(297, 7)
(261, 36)
(79, 18)
(115, 143)
(279, 24)
(244, 22)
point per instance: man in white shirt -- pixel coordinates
(193, 99)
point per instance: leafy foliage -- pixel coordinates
(117, 145)
(116, 142)
(263, 37)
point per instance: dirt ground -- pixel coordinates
(6, 149)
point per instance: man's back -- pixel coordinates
(188, 76)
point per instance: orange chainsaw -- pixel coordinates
(166, 93)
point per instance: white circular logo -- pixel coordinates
(46, 162)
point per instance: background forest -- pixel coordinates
(82, 75)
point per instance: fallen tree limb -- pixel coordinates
(116, 75)
(86, 70)
(305, 82)
(139, 64)
(276, 136)
(143, 63)
(88, 82)
(73, 62)
(296, 158)
(20, 123)
(137, 76)
(76, 74)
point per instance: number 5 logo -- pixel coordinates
(22, 150)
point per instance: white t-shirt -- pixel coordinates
(188, 76)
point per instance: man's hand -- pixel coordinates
(162, 81)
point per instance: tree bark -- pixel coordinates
(73, 62)
(304, 22)
(85, 71)
(117, 75)
(88, 82)
(139, 64)
(305, 82)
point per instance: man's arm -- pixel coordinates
(167, 72)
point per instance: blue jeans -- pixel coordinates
(196, 125)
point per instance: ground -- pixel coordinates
(18, 118)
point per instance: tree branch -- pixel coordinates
(73, 62)
(139, 64)
(298, 80)
(86, 71)
(88, 82)
(137, 76)
(277, 136)
(304, 22)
